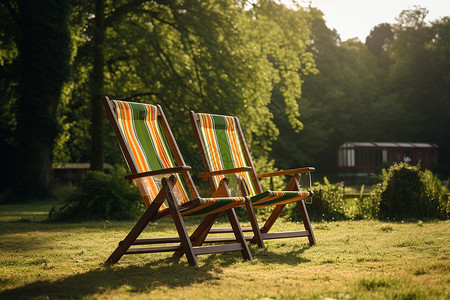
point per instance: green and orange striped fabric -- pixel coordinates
(150, 150)
(223, 147)
(224, 150)
(143, 134)
(279, 197)
(207, 206)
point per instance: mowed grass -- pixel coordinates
(352, 260)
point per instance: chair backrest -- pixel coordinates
(147, 144)
(222, 146)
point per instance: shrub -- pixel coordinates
(367, 208)
(327, 204)
(407, 192)
(100, 196)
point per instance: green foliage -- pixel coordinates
(367, 208)
(341, 93)
(209, 56)
(370, 92)
(406, 192)
(100, 197)
(327, 204)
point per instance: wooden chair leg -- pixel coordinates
(257, 238)
(200, 233)
(306, 222)
(237, 230)
(273, 217)
(179, 224)
(295, 186)
(124, 245)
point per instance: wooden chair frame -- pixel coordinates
(191, 245)
(260, 233)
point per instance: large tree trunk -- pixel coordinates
(97, 87)
(44, 53)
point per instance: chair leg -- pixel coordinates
(237, 230)
(179, 224)
(135, 231)
(273, 217)
(294, 185)
(306, 222)
(200, 233)
(257, 238)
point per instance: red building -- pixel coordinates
(362, 157)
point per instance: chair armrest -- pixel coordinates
(287, 172)
(158, 172)
(223, 172)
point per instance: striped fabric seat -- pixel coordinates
(150, 151)
(224, 150)
(275, 198)
(206, 206)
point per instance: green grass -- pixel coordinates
(352, 260)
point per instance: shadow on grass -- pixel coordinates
(293, 257)
(134, 279)
(169, 273)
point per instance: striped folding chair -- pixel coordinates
(225, 154)
(163, 179)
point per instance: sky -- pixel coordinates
(355, 18)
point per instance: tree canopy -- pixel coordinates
(298, 89)
(392, 88)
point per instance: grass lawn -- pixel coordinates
(352, 260)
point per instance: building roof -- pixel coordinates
(387, 145)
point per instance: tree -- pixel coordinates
(43, 54)
(97, 93)
(335, 102)
(9, 31)
(418, 80)
(378, 41)
(214, 56)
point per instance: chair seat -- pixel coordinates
(276, 197)
(205, 206)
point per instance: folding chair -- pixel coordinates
(163, 179)
(225, 152)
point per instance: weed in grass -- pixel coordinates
(372, 284)
(406, 244)
(328, 261)
(322, 226)
(419, 271)
(367, 259)
(386, 228)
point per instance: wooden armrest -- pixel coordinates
(158, 172)
(223, 172)
(287, 172)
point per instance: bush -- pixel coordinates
(367, 208)
(407, 192)
(327, 204)
(100, 196)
